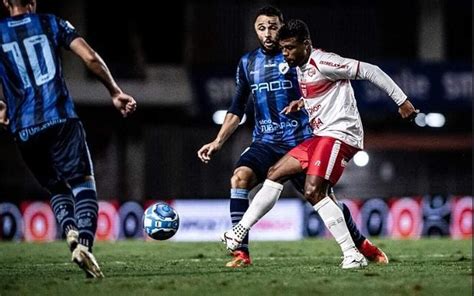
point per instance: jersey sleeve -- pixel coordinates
(378, 77)
(66, 33)
(336, 67)
(242, 91)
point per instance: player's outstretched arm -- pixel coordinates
(3, 114)
(125, 103)
(231, 122)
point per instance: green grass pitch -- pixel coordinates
(308, 267)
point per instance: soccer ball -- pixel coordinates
(160, 221)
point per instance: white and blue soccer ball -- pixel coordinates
(160, 221)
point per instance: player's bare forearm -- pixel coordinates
(230, 124)
(95, 64)
(125, 103)
(100, 69)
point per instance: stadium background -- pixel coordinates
(181, 71)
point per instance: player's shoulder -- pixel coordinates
(252, 54)
(320, 54)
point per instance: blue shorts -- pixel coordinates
(260, 156)
(55, 151)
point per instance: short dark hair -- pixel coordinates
(269, 11)
(294, 29)
(20, 2)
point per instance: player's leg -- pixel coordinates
(73, 163)
(251, 169)
(317, 193)
(242, 181)
(364, 245)
(62, 203)
(87, 209)
(35, 151)
(298, 182)
(328, 157)
(263, 201)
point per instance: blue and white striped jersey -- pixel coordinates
(30, 69)
(273, 84)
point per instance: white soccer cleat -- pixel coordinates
(82, 257)
(72, 239)
(353, 259)
(231, 241)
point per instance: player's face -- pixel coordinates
(294, 52)
(267, 28)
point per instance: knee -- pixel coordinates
(313, 194)
(241, 179)
(271, 173)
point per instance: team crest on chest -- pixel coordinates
(283, 67)
(311, 72)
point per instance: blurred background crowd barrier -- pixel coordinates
(291, 219)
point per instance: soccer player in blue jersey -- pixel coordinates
(264, 73)
(39, 112)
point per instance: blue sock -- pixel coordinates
(357, 237)
(239, 203)
(86, 211)
(62, 204)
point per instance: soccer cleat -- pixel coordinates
(82, 257)
(372, 253)
(353, 259)
(241, 259)
(230, 240)
(72, 239)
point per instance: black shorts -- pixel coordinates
(260, 156)
(55, 151)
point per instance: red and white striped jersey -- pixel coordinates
(329, 97)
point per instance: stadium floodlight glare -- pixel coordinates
(219, 116)
(435, 119)
(361, 159)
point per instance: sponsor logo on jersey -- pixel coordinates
(316, 123)
(269, 65)
(271, 86)
(24, 21)
(313, 109)
(331, 64)
(268, 126)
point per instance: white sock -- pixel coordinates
(263, 202)
(334, 220)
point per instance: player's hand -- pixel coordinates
(407, 111)
(207, 150)
(4, 121)
(126, 104)
(294, 106)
